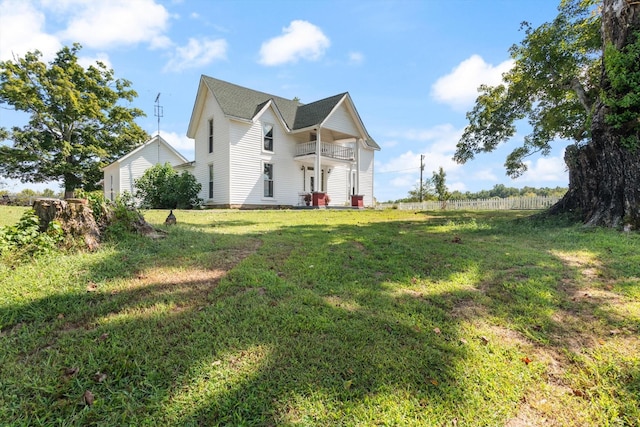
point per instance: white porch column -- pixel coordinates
(357, 153)
(316, 170)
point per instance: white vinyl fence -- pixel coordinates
(494, 204)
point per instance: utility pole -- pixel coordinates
(421, 169)
(157, 111)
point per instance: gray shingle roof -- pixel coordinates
(245, 103)
(315, 112)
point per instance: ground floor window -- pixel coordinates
(211, 181)
(268, 180)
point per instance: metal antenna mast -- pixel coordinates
(157, 111)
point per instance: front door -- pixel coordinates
(309, 180)
(311, 183)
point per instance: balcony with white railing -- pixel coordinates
(333, 151)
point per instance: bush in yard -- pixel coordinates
(161, 187)
(25, 238)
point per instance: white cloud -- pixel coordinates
(443, 137)
(102, 24)
(545, 169)
(405, 163)
(399, 174)
(180, 142)
(403, 181)
(22, 31)
(86, 61)
(389, 144)
(457, 186)
(197, 53)
(459, 89)
(300, 40)
(356, 58)
(408, 163)
(485, 175)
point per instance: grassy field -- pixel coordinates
(328, 318)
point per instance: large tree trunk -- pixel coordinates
(74, 215)
(604, 176)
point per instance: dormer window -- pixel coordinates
(267, 133)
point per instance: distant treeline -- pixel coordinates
(499, 190)
(26, 196)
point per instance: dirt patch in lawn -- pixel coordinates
(184, 286)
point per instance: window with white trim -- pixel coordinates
(210, 135)
(268, 180)
(267, 137)
(211, 181)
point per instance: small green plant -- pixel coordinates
(25, 238)
(120, 217)
(97, 202)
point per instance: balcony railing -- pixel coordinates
(333, 151)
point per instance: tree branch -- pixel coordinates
(581, 93)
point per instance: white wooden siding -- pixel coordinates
(111, 181)
(247, 159)
(127, 170)
(134, 167)
(341, 121)
(366, 175)
(220, 156)
(337, 185)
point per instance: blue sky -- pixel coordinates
(412, 67)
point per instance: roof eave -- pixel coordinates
(191, 129)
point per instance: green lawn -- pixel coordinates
(328, 318)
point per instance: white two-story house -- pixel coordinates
(256, 150)
(253, 149)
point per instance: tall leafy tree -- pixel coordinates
(439, 180)
(79, 121)
(575, 78)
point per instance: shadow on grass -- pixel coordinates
(301, 325)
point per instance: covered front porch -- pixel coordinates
(330, 179)
(329, 160)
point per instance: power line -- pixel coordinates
(401, 170)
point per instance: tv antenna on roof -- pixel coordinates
(157, 111)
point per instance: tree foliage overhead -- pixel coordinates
(553, 84)
(78, 121)
(161, 187)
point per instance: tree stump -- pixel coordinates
(74, 215)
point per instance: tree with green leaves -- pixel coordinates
(440, 185)
(161, 187)
(574, 79)
(79, 121)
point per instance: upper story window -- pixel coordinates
(210, 135)
(267, 136)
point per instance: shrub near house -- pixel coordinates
(161, 187)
